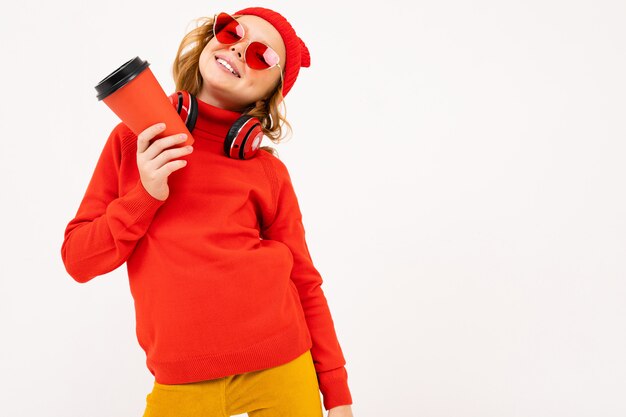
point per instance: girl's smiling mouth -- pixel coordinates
(226, 66)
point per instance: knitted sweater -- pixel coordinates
(220, 272)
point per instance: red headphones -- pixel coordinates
(243, 138)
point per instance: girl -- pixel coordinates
(229, 306)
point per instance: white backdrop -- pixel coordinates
(460, 168)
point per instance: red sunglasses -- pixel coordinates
(258, 55)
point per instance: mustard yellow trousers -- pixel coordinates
(290, 389)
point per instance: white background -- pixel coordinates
(460, 168)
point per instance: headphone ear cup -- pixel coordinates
(243, 138)
(186, 106)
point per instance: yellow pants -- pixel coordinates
(290, 389)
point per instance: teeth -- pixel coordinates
(221, 61)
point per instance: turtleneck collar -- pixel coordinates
(213, 122)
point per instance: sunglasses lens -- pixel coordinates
(261, 56)
(226, 29)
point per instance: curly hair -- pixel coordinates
(187, 76)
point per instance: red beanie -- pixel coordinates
(297, 54)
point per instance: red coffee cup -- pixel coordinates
(137, 98)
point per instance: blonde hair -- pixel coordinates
(186, 73)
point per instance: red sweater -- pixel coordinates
(220, 272)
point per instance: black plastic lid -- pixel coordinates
(120, 77)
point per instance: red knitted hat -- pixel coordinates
(297, 54)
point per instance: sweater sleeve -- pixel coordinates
(287, 227)
(107, 227)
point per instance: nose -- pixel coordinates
(239, 49)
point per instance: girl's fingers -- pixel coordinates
(143, 140)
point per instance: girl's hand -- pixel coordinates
(152, 160)
(341, 411)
